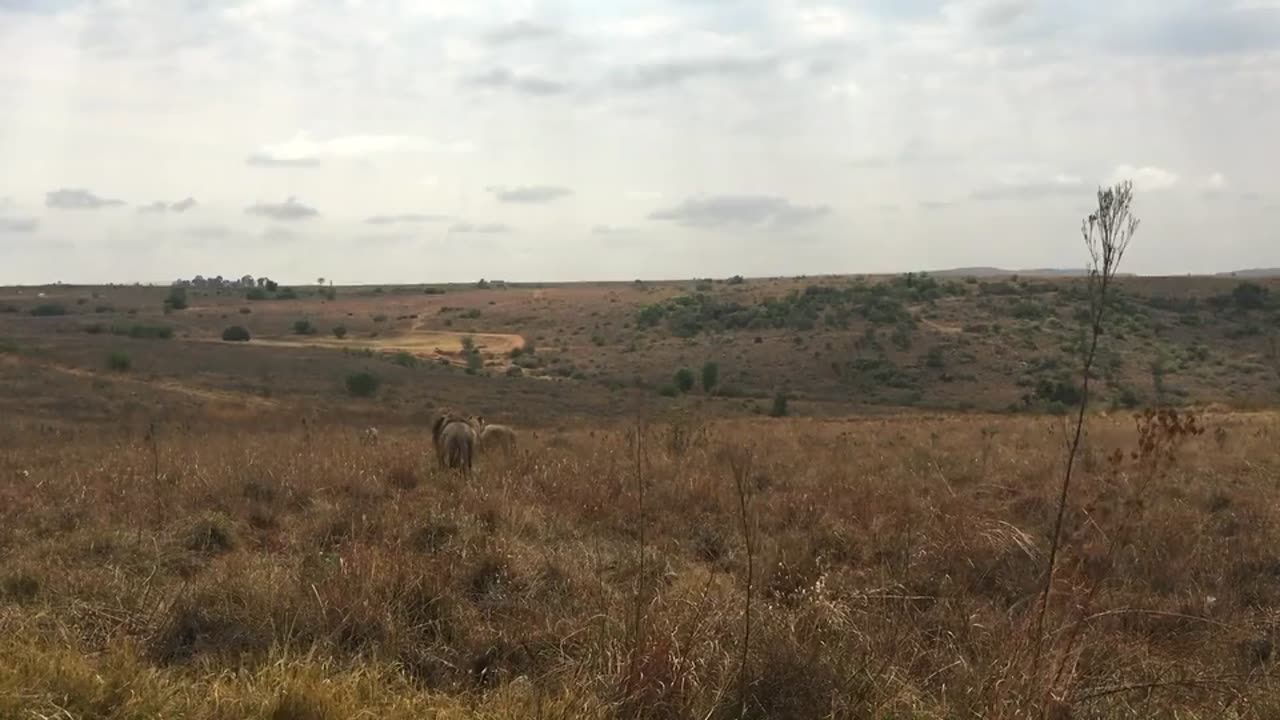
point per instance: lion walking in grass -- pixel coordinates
(455, 441)
(496, 438)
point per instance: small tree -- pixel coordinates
(236, 333)
(684, 380)
(177, 299)
(340, 332)
(272, 285)
(710, 376)
(779, 407)
(363, 384)
(303, 327)
(1250, 296)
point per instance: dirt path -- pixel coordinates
(944, 329)
(173, 386)
(423, 343)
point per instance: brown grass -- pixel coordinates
(292, 575)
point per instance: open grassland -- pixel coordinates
(787, 568)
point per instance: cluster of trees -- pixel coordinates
(217, 282)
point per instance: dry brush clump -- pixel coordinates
(894, 566)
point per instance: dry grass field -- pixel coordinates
(891, 566)
(193, 528)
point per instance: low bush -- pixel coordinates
(119, 362)
(362, 384)
(236, 333)
(48, 310)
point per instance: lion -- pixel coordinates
(455, 440)
(496, 437)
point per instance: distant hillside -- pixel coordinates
(995, 272)
(1000, 272)
(1252, 273)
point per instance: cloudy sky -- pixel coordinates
(437, 140)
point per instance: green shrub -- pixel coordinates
(379, 318)
(1250, 296)
(255, 294)
(143, 332)
(668, 391)
(1128, 398)
(177, 299)
(303, 327)
(362, 384)
(684, 380)
(340, 332)
(236, 333)
(710, 376)
(119, 362)
(405, 359)
(779, 407)
(1029, 310)
(94, 328)
(48, 310)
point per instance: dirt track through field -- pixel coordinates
(173, 386)
(423, 343)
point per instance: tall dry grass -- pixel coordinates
(896, 567)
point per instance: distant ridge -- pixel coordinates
(1251, 273)
(1001, 272)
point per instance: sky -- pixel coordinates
(448, 140)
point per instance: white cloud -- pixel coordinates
(18, 224)
(725, 211)
(1027, 183)
(639, 26)
(529, 194)
(289, 210)
(1145, 178)
(822, 21)
(846, 90)
(989, 14)
(1216, 181)
(302, 149)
